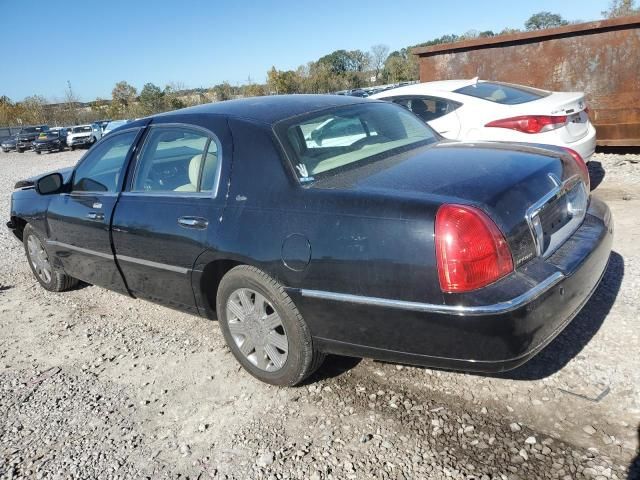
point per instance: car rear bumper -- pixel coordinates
(586, 146)
(497, 328)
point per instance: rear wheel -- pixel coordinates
(264, 329)
(38, 152)
(41, 265)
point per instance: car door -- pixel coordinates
(171, 204)
(78, 221)
(440, 113)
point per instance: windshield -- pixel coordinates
(84, 128)
(32, 130)
(503, 93)
(328, 142)
(48, 135)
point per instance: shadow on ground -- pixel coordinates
(579, 332)
(596, 174)
(634, 468)
(333, 366)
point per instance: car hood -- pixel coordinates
(504, 180)
(45, 140)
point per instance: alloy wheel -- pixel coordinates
(39, 259)
(257, 329)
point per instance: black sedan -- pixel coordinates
(49, 141)
(27, 136)
(9, 143)
(371, 237)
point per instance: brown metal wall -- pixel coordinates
(603, 62)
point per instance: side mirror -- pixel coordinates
(49, 184)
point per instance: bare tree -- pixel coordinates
(621, 8)
(379, 54)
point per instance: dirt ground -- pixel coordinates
(94, 384)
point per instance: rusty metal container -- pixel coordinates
(599, 58)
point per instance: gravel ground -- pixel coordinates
(96, 385)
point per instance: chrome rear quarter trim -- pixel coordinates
(493, 309)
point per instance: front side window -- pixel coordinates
(177, 159)
(503, 93)
(101, 168)
(344, 137)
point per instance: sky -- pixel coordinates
(198, 43)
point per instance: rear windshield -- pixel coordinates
(331, 141)
(503, 93)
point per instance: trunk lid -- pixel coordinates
(512, 183)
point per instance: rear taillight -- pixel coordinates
(582, 166)
(470, 249)
(530, 123)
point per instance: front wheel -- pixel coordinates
(38, 152)
(264, 329)
(40, 263)
(19, 150)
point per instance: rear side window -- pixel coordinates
(427, 108)
(503, 93)
(177, 159)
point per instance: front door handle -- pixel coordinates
(193, 222)
(95, 216)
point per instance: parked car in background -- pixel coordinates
(27, 136)
(114, 124)
(52, 140)
(396, 245)
(9, 143)
(83, 135)
(472, 110)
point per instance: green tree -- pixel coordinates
(123, 97)
(222, 91)
(282, 81)
(621, 8)
(151, 99)
(542, 20)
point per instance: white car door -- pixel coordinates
(439, 113)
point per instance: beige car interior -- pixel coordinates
(194, 171)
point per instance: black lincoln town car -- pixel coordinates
(326, 224)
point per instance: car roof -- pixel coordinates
(420, 88)
(270, 109)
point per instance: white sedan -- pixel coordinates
(473, 110)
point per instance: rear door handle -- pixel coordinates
(95, 216)
(193, 222)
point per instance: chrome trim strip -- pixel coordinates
(139, 261)
(149, 263)
(79, 249)
(494, 309)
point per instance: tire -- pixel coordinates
(55, 281)
(38, 152)
(19, 150)
(290, 367)
(72, 148)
